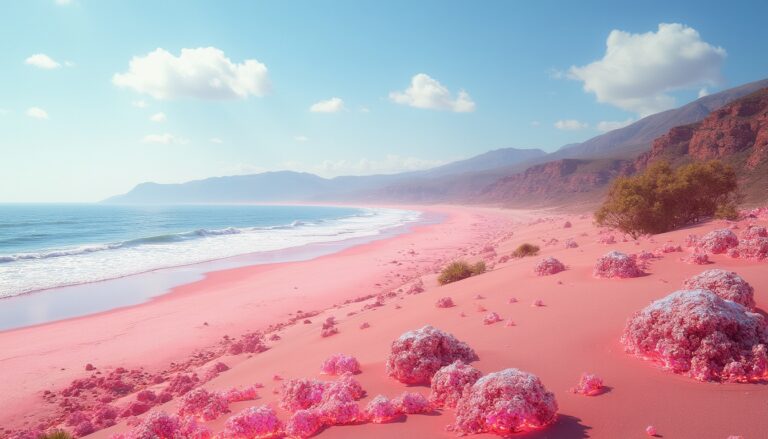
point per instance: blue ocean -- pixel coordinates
(45, 246)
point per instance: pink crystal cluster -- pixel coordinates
(698, 334)
(450, 382)
(380, 409)
(505, 402)
(718, 241)
(668, 248)
(444, 302)
(616, 265)
(548, 266)
(726, 284)
(164, 426)
(316, 404)
(204, 405)
(697, 258)
(754, 232)
(416, 355)
(339, 364)
(412, 403)
(589, 385)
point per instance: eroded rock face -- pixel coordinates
(698, 334)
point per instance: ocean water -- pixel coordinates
(44, 246)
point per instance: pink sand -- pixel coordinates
(577, 330)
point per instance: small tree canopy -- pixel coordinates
(663, 199)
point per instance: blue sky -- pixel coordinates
(416, 83)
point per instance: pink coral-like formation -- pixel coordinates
(203, 405)
(570, 243)
(505, 402)
(304, 424)
(718, 241)
(242, 394)
(548, 266)
(412, 403)
(698, 258)
(339, 364)
(698, 334)
(380, 410)
(589, 385)
(726, 284)
(651, 430)
(416, 355)
(567, 225)
(616, 265)
(164, 426)
(444, 302)
(298, 394)
(450, 382)
(253, 422)
(606, 239)
(756, 249)
(491, 318)
(753, 232)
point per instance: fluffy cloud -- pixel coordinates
(42, 61)
(215, 140)
(158, 117)
(164, 139)
(606, 126)
(570, 125)
(638, 70)
(203, 73)
(426, 92)
(332, 105)
(37, 113)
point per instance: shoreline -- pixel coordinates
(194, 316)
(164, 280)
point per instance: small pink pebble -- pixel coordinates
(538, 302)
(650, 430)
(509, 323)
(365, 325)
(462, 314)
(277, 377)
(512, 300)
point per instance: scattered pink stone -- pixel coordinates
(570, 243)
(412, 403)
(462, 314)
(298, 394)
(491, 318)
(756, 249)
(650, 430)
(416, 355)
(718, 241)
(698, 334)
(698, 258)
(512, 300)
(478, 297)
(444, 302)
(589, 385)
(242, 394)
(669, 248)
(253, 422)
(754, 232)
(616, 265)
(339, 364)
(480, 308)
(726, 284)
(380, 410)
(365, 325)
(548, 266)
(450, 382)
(606, 239)
(163, 425)
(567, 225)
(538, 302)
(505, 402)
(509, 323)
(89, 367)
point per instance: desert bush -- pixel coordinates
(58, 434)
(663, 199)
(459, 270)
(524, 250)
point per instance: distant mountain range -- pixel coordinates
(509, 176)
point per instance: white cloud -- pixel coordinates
(703, 92)
(428, 93)
(63, 2)
(301, 138)
(605, 126)
(158, 117)
(42, 61)
(570, 125)
(215, 140)
(140, 104)
(165, 139)
(331, 105)
(37, 113)
(203, 73)
(639, 70)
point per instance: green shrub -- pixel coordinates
(459, 270)
(663, 199)
(58, 434)
(524, 250)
